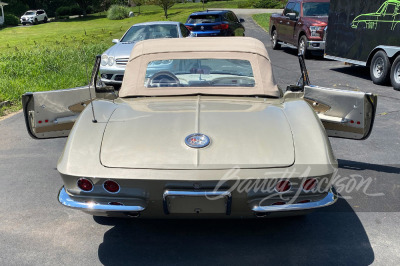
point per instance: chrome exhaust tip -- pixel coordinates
(261, 214)
(132, 214)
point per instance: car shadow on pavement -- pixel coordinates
(319, 56)
(330, 236)
(356, 71)
(353, 165)
(369, 187)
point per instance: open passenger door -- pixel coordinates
(51, 114)
(344, 114)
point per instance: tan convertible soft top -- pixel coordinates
(243, 48)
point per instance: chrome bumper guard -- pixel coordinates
(329, 199)
(66, 200)
(316, 45)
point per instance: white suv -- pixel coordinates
(34, 17)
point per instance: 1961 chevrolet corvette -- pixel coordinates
(199, 129)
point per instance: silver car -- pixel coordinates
(114, 60)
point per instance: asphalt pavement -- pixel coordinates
(360, 229)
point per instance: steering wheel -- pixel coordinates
(163, 79)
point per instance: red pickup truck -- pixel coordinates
(302, 24)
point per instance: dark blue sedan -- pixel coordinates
(214, 23)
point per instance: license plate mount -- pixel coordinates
(197, 202)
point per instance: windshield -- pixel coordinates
(144, 32)
(313, 9)
(199, 73)
(29, 13)
(203, 19)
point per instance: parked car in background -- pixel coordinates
(34, 17)
(302, 25)
(214, 137)
(114, 60)
(215, 23)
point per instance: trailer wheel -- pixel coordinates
(274, 40)
(395, 74)
(380, 68)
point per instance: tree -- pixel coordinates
(16, 7)
(138, 3)
(50, 6)
(165, 4)
(84, 4)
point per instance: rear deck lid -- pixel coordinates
(151, 134)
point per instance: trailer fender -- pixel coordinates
(391, 51)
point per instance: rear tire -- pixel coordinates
(395, 74)
(45, 20)
(274, 40)
(380, 68)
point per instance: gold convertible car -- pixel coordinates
(199, 129)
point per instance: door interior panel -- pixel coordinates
(344, 114)
(53, 113)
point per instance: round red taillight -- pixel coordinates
(111, 186)
(279, 203)
(283, 186)
(304, 201)
(85, 184)
(309, 184)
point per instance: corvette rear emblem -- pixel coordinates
(197, 140)
(202, 27)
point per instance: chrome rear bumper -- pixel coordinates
(136, 206)
(66, 200)
(329, 199)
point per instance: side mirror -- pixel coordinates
(241, 20)
(107, 92)
(294, 88)
(115, 41)
(108, 88)
(292, 16)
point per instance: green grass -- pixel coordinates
(55, 55)
(262, 20)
